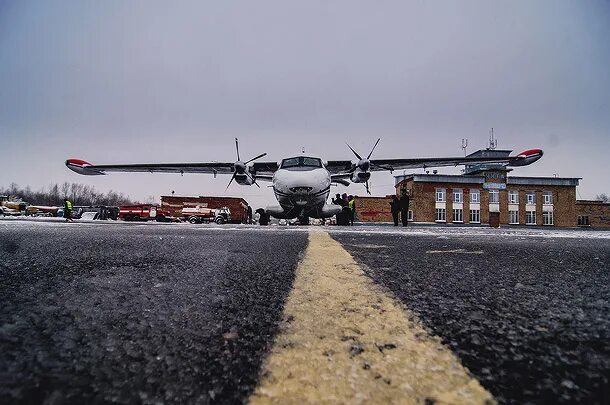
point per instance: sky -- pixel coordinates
(157, 81)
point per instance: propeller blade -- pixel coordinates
(252, 178)
(254, 158)
(355, 153)
(230, 181)
(237, 148)
(369, 156)
(367, 187)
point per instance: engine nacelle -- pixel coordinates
(244, 179)
(358, 176)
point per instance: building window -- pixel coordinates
(547, 197)
(441, 195)
(475, 216)
(530, 217)
(458, 215)
(410, 215)
(513, 217)
(530, 197)
(458, 195)
(513, 197)
(583, 220)
(440, 215)
(475, 196)
(547, 218)
(494, 196)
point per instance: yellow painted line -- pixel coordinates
(345, 340)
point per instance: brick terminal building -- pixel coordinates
(487, 192)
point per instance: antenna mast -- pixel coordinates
(493, 143)
(464, 145)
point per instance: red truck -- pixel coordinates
(138, 212)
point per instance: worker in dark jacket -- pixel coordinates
(404, 207)
(395, 208)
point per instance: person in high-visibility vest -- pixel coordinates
(68, 210)
(352, 208)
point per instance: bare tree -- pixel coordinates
(602, 197)
(79, 194)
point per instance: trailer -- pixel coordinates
(172, 207)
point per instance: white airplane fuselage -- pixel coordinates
(302, 191)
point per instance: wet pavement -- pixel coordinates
(162, 313)
(529, 316)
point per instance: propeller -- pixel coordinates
(364, 164)
(240, 167)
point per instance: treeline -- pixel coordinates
(79, 194)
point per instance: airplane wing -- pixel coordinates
(86, 168)
(345, 166)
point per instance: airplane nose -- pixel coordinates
(300, 190)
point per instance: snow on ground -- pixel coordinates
(448, 231)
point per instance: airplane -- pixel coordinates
(302, 183)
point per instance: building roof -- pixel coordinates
(466, 179)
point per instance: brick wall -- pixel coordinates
(373, 209)
(597, 211)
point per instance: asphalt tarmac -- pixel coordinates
(528, 315)
(162, 313)
(138, 314)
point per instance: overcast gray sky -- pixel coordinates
(158, 81)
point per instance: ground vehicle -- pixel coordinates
(198, 214)
(172, 206)
(138, 212)
(11, 207)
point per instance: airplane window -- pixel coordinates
(292, 162)
(311, 162)
(301, 162)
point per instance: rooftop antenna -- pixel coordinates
(464, 145)
(493, 143)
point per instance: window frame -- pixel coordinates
(546, 215)
(527, 199)
(461, 211)
(460, 194)
(440, 192)
(510, 217)
(473, 192)
(513, 193)
(478, 215)
(546, 194)
(444, 215)
(497, 198)
(527, 217)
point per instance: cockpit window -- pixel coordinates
(292, 162)
(302, 161)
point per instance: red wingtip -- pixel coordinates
(530, 153)
(77, 162)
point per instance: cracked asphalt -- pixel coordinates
(529, 316)
(161, 313)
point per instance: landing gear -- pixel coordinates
(303, 220)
